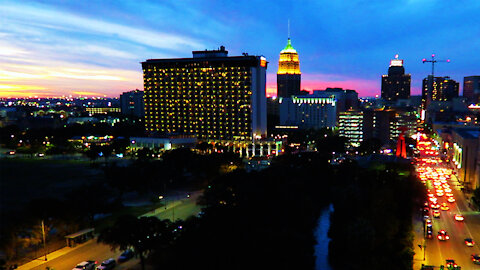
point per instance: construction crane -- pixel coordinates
(433, 61)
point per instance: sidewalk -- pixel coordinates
(418, 239)
(52, 256)
(66, 250)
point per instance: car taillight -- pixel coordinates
(96, 262)
(447, 237)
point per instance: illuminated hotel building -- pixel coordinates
(288, 75)
(211, 96)
(307, 112)
(396, 85)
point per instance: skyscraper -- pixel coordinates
(396, 85)
(132, 104)
(438, 89)
(471, 89)
(288, 75)
(212, 96)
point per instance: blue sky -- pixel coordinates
(51, 48)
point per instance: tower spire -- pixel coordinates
(288, 28)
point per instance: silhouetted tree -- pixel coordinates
(142, 234)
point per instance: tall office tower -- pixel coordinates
(396, 85)
(350, 126)
(132, 104)
(212, 96)
(471, 89)
(288, 75)
(438, 89)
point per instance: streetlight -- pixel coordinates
(44, 242)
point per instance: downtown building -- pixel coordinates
(132, 103)
(396, 85)
(307, 112)
(382, 124)
(471, 89)
(288, 75)
(438, 89)
(212, 96)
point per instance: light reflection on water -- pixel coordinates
(321, 234)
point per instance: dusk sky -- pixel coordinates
(53, 48)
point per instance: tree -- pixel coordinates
(370, 146)
(142, 234)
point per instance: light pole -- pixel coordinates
(44, 239)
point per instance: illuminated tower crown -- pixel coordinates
(288, 63)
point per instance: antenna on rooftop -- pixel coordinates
(288, 28)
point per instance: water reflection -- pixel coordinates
(321, 249)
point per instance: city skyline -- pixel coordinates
(78, 49)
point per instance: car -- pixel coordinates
(86, 265)
(449, 194)
(107, 264)
(429, 234)
(448, 190)
(451, 199)
(450, 263)
(445, 207)
(476, 258)
(469, 242)
(442, 235)
(436, 213)
(459, 217)
(435, 206)
(126, 255)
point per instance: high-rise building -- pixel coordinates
(350, 126)
(132, 104)
(345, 99)
(358, 126)
(438, 89)
(471, 89)
(288, 75)
(212, 96)
(396, 85)
(308, 112)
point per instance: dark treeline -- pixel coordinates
(267, 219)
(371, 226)
(259, 220)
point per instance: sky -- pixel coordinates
(94, 48)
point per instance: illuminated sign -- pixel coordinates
(263, 61)
(396, 63)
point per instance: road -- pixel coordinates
(178, 207)
(88, 251)
(455, 248)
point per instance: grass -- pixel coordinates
(23, 179)
(108, 221)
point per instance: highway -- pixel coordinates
(438, 251)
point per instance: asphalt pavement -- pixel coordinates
(437, 251)
(67, 258)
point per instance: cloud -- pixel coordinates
(49, 18)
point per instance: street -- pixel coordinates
(437, 251)
(68, 258)
(88, 251)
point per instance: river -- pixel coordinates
(321, 234)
